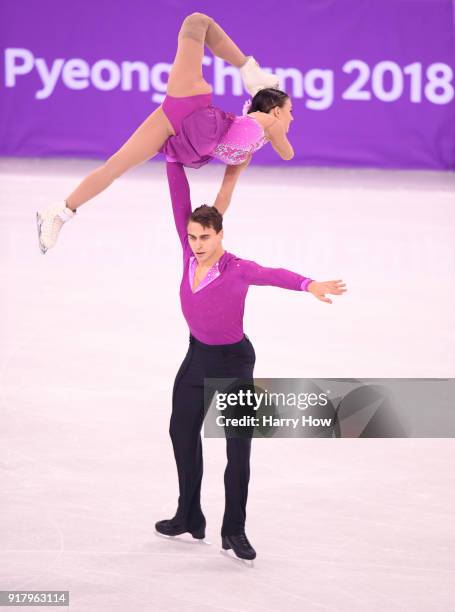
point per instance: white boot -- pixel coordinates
(49, 223)
(254, 78)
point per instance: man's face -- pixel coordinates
(204, 241)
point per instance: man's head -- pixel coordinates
(205, 232)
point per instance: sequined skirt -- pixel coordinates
(200, 132)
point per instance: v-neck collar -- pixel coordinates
(211, 275)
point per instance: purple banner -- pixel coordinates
(372, 82)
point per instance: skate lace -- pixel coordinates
(244, 540)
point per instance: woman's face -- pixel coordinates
(204, 241)
(284, 114)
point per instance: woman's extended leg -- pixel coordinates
(143, 144)
(185, 79)
(197, 29)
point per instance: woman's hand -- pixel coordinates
(334, 287)
(278, 139)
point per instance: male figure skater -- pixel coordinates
(212, 293)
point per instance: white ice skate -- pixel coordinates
(255, 78)
(49, 223)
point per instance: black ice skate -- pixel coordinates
(240, 545)
(169, 527)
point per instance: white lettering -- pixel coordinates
(12, 68)
(114, 75)
(245, 421)
(75, 74)
(297, 81)
(312, 422)
(49, 79)
(143, 72)
(323, 96)
(316, 85)
(279, 421)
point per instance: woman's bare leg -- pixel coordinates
(198, 29)
(222, 46)
(185, 79)
(142, 145)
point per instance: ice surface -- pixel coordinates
(92, 336)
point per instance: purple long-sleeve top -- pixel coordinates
(214, 311)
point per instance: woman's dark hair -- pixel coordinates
(266, 99)
(207, 216)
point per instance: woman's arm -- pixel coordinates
(278, 139)
(231, 175)
(181, 201)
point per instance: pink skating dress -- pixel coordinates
(243, 138)
(204, 132)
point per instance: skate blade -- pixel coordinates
(183, 540)
(230, 554)
(39, 222)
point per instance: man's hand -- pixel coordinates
(334, 287)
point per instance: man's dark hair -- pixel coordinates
(207, 216)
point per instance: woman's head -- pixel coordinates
(273, 102)
(205, 232)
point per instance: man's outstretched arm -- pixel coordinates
(254, 274)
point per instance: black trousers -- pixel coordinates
(209, 361)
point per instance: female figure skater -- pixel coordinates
(212, 294)
(187, 128)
